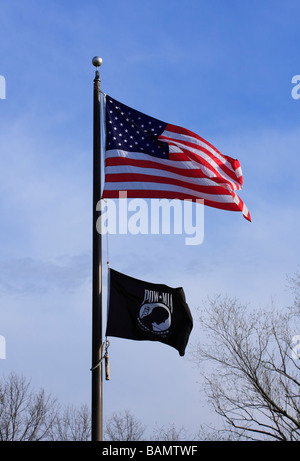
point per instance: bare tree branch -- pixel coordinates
(254, 383)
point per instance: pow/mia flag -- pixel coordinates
(147, 311)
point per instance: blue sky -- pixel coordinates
(220, 68)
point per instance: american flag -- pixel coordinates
(149, 158)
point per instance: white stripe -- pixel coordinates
(245, 210)
(191, 139)
(121, 186)
(238, 172)
(215, 166)
(184, 164)
(175, 149)
(172, 136)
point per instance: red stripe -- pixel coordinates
(233, 162)
(169, 140)
(170, 195)
(202, 161)
(190, 172)
(225, 169)
(180, 130)
(134, 177)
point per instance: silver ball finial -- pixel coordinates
(97, 61)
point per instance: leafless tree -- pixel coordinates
(169, 433)
(25, 415)
(253, 378)
(72, 424)
(294, 285)
(123, 426)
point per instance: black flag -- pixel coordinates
(147, 311)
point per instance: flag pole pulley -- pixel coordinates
(97, 380)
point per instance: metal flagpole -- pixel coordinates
(97, 380)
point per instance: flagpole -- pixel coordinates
(97, 380)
